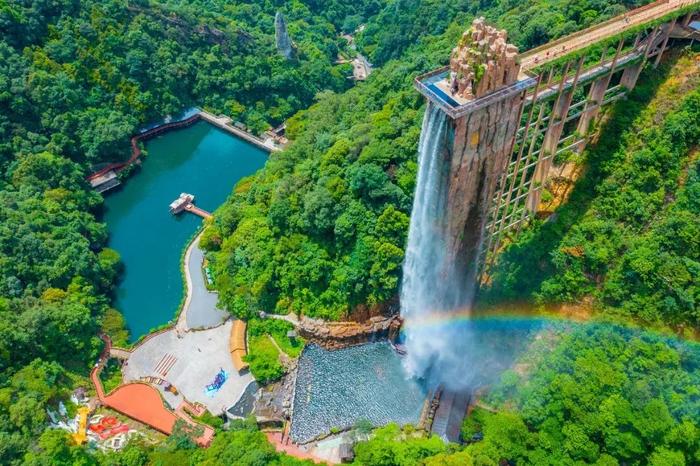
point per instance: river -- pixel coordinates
(201, 160)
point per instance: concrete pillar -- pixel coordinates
(479, 148)
(593, 103)
(667, 33)
(631, 75)
(550, 145)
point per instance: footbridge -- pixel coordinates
(535, 109)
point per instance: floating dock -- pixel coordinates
(105, 182)
(186, 203)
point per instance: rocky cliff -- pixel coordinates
(335, 335)
(282, 40)
(482, 61)
(480, 143)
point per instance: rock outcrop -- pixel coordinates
(474, 151)
(482, 62)
(282, 40)
(336, 335)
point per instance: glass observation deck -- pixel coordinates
(435, 87)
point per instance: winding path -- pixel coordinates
(200, 309)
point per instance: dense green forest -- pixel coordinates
(402, 23)
(322, 228)
(80, 77)
(629, 235)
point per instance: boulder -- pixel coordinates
(282, 40)
(482, 62)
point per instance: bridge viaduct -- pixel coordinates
(503, 144)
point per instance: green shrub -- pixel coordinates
(263, 358)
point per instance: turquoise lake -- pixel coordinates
(202, 160)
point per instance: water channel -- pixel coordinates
(202, 160)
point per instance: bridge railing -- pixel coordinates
(583, 32)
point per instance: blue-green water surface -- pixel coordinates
(201, 160)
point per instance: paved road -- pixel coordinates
(200, 310)
(578, 41)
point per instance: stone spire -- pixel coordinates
(284, 43)
(482, 62)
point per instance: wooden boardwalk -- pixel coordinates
(197, 211)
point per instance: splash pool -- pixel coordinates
(335, 389)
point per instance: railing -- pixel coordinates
(591, 29)
(476, 104)
(629, 20)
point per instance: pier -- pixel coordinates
(197, 211)
(186, 203)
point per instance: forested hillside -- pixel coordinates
(321, 229)
(402, 23)
(76, 80)
(79, 77)
(629, 235)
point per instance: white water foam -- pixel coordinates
(432, 285)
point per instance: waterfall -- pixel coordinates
(432, 284)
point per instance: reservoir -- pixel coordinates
(202, 160)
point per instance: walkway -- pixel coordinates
(580, 40)
(143, 403)
(189, 361)
(197, 211)
(224, 123)
(200, 309)
(284, 445)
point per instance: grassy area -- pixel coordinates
(207, 418)
(263, 358)
(114, 325)
(278, 330)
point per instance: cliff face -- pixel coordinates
(335, 335)
(481, 142)
(482, 147)
(282, 40)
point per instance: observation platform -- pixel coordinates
(186, 203)
(435, 85)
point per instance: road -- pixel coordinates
(578, 41)
(200, 309)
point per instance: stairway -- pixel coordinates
(448, 418)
